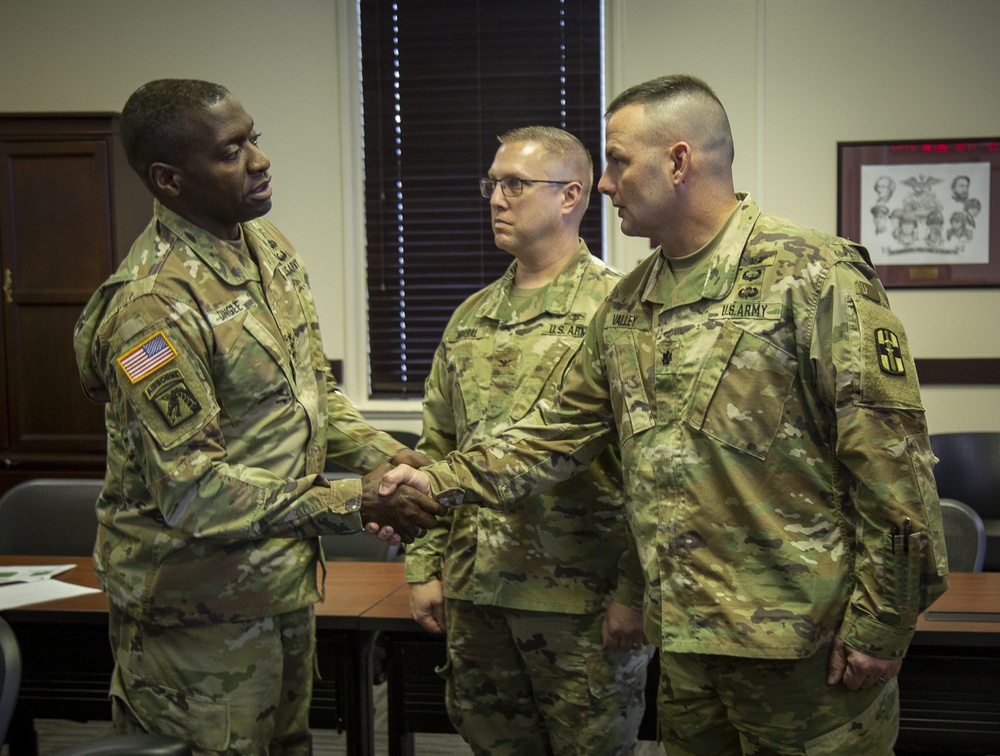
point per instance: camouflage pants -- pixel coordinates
(539, 683)
(721, 705)
(232, 688)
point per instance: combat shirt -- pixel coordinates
(775, 452)
(220, 406)
(565, 550)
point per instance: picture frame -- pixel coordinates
(927, 210)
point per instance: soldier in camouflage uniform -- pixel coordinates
(524, 595)
(221, 414)
(774, 447)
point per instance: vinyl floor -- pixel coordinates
(54, 735)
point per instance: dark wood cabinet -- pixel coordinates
(70, 208)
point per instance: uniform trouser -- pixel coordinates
(230, 688)
(538, 683)
(722, 705)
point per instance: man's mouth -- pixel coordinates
(262, 191)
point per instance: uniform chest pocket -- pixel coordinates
(247, 367)
(468, 358)
(631, 397)
(741, 391)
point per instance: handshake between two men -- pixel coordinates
(395, 503)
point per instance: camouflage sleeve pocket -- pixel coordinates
(888, 376)
(741, 391)
(171, 398)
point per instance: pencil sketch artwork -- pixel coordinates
(926, 214)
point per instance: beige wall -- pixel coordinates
(797, 76)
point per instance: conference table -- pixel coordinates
(67, 659)
(955, 655)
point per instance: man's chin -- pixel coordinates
(259, 209)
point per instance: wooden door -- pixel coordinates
(56, 227)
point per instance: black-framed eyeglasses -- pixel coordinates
(511, 186)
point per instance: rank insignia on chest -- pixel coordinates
(148, 357)
(889, 353)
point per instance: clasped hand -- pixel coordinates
(402, 512)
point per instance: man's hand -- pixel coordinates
(402, 457)
(858, 670)
(405, 475)
(411, 458)
(622, 628)
(406, 510)
(427, 605)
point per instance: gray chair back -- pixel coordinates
(50, 516)
(964, 536)
(358, 547)
(969, 471)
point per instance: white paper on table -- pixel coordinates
(16, 573)
(21, 594)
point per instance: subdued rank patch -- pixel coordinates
(865, 289)
(171, 396)
(148, 357)
(889, 353)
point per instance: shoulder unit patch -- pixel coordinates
(170, 394)
(889, 353)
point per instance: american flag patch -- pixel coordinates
(149, 356)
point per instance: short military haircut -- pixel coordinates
(561, 145)
(155, 119)
(661, 91)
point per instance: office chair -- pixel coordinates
(964, 536)
(10, 683)
(126, 745)
(54, 516)
(358, 547)
(969, 471)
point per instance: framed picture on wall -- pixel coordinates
(927, 210)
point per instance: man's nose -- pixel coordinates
(605, 185)
(259, 162)
(498, 198)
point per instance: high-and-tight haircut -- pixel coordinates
(661, 91)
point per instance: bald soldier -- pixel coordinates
(776, 459)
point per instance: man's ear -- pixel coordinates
(165, 179)
(679, 161)
(571, 195)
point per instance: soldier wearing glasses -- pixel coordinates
(542, 606)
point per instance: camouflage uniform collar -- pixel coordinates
(219, 256)
(715, 275)
(559, 293)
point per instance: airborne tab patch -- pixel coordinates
(148, 357)
(171, 396)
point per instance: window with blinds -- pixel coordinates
(440, 81)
